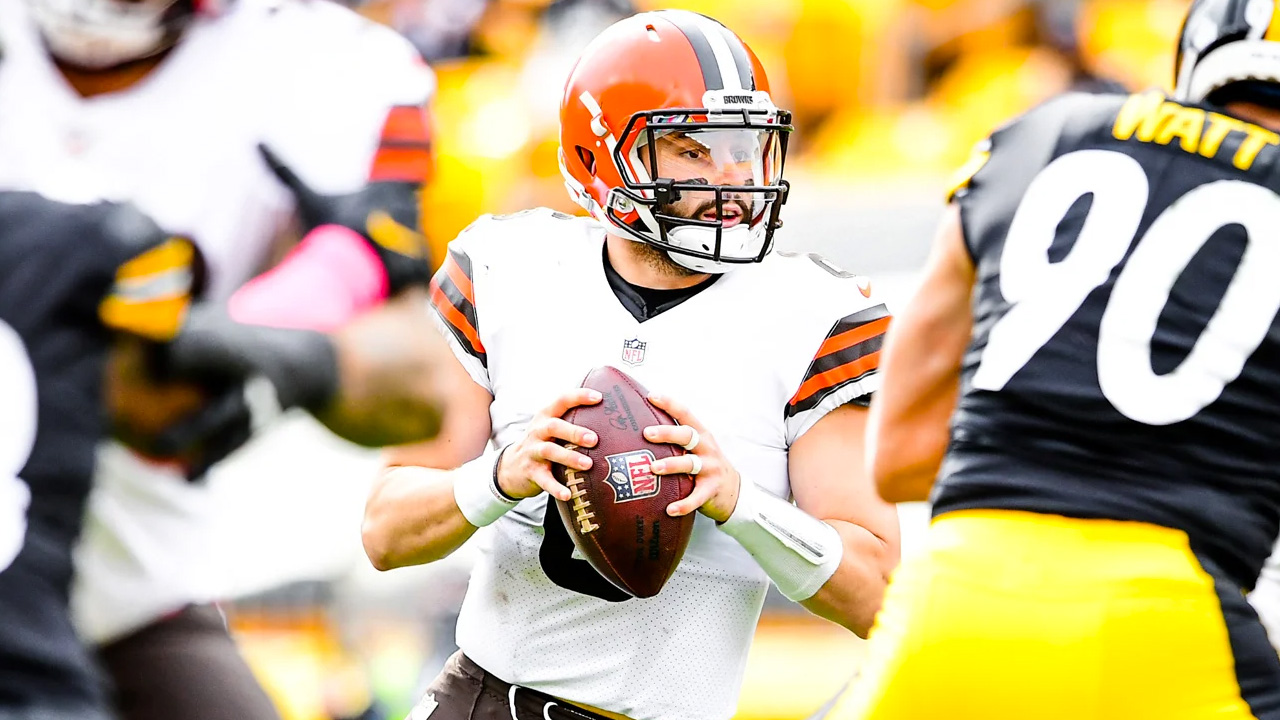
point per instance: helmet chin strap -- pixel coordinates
(740, 241)
(737, 241)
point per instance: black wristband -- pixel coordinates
(496, 486)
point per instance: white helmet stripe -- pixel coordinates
(1259, 15)
(715, 36)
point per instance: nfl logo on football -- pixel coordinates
(630, 476)
(633, 351)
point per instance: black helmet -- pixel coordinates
(1229, 49)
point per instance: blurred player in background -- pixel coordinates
(168, 103)
(1101, 300)
(74, 279)
(670, 139)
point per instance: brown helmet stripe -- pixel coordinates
(740, 57)
(701, 48)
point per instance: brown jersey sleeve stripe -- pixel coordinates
(839, 343)
(819, 386)
(453, 295)
(457, 266)
(854, 321)
(845, 356)
(462, 330)
(850, 352)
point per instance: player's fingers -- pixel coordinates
(688, 464)
(557, 429)
(542, 477)
(685, 436)
(678, 411)
(701, 495)
(572, 399)
(561, 455)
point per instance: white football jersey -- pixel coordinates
(759, 356)
(313, 81)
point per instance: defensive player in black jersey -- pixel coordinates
(1091, 372)
(76, 283)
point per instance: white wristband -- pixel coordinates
(475, 489)
(796, 550)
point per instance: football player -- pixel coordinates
(170, 104)
(671, 141)
(74, 279)
(1089, 369)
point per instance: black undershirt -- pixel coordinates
(644, 303)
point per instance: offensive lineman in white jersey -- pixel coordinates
(168, 104)
(670, 140)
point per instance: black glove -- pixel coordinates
(249, 373)
(207, 436)
(384, 213)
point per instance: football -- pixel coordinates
(617, 515)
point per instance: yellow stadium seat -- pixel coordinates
(1133, 40)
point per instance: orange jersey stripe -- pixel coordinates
(455, 318)
(406, 124)
(835, 376)
(401, 164)
(852, 337)
(460, 279)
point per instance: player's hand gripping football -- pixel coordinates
(525, 467)
(716, 482)
(384, 213)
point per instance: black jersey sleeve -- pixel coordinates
(156, 275)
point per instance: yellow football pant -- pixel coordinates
(1020, 616)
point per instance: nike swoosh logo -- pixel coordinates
(864, 286)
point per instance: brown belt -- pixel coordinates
(528, 703)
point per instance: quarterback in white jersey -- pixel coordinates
(767, 361)
(167, 104)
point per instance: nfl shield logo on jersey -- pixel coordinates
(630, 476)
(633, 351)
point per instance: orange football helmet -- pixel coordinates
(680, 74)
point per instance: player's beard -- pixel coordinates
(657, 260)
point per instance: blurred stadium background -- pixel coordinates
(888, 95)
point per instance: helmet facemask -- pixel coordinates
(704, 184)
(101, 34)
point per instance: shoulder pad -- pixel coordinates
(119, 230)
(812, 271)
(537, 231)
